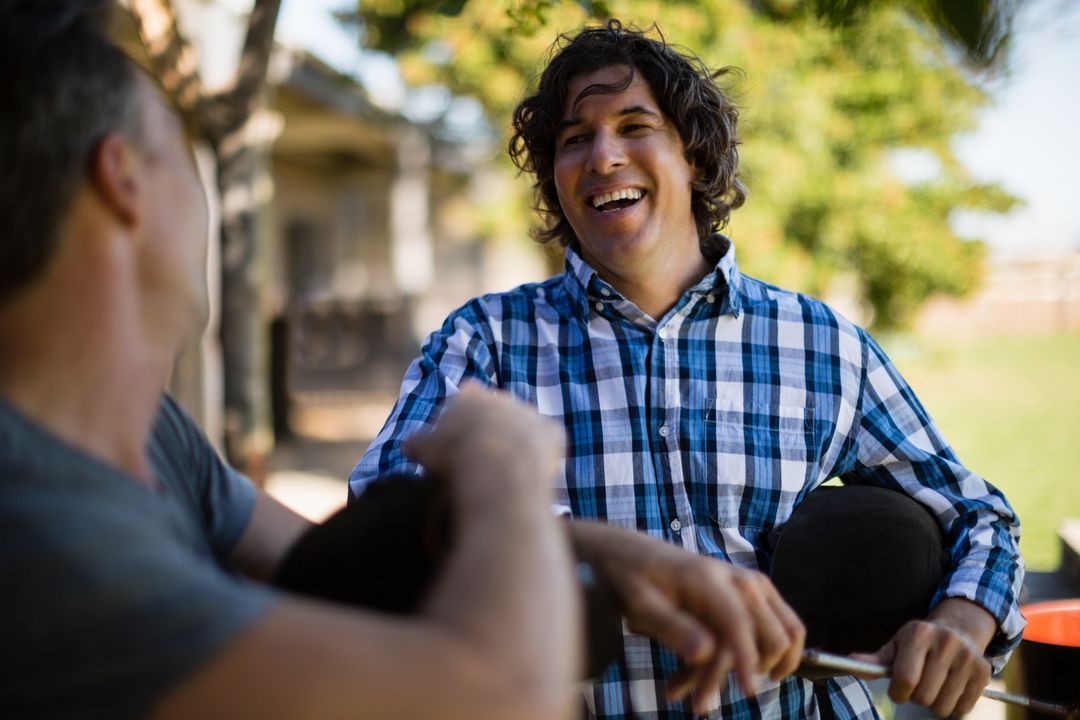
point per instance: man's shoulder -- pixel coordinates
(757, 295)
(806, 320)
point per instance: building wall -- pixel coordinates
(1037, 296)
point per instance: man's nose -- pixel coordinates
(607, 154)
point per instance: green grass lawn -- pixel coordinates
(1011, 409)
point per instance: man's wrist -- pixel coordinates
(966, 618)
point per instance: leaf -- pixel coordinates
(452, 8)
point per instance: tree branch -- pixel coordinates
(172, 57)
(244, 97)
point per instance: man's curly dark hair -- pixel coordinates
(688, 94)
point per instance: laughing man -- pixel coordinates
(702, 405)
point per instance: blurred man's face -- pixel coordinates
(622, 176)
(177, 218)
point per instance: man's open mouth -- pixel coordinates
(616, 199)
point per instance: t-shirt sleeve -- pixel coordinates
(224, 498)
(106, 607)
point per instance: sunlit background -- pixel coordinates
(916, 172)
(1000, 368)
(927, 198)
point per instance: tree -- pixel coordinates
(228, 121)
(830, 91)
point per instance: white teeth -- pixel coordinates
(624, 194)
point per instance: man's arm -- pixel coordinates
(945, 660)
(498, 637)
(716, 616)
(270, 533)
(456, 352)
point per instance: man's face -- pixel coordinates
(623, 179)
(176, 219)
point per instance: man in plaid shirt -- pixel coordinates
(701, 405)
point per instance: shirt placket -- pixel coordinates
(675, 501)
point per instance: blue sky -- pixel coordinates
(1028, 139)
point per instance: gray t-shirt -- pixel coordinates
(113, 592)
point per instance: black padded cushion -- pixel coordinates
(384, 551)
(381, 552)
(856, 563)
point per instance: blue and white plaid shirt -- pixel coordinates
(706, 429)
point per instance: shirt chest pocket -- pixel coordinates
(754, 463)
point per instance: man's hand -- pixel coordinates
(938, 662)
(715, 616)
(496, 448)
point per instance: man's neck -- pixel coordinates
(88, 383)
(657, 288)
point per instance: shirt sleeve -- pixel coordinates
(223, 497)
(897, 445)
(461, 349)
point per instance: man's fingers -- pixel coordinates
(730, 616)
(970, 696)
(949, 693)
(769, 631)
(932, 679)
(704, 681)
(681, 683)
(649, 612)
(912, 646)
(796, 635)
(904, 682)
(966, 676)
(713, 678)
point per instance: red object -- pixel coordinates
(1056, 622)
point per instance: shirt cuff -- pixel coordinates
(1000, 602)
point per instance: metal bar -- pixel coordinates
(818, 659)
(1042, 706)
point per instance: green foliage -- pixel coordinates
(825, 101)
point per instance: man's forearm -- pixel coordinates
(271, 531)
(716, 616)
(509, 587)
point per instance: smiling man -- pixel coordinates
(701, 405)
(624, 183)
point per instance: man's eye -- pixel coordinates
(634, 127)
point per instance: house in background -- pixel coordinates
(361, 251)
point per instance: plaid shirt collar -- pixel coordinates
(585, 289)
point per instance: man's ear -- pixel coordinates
(115, 173)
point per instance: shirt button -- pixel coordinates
(711, 298)
(664, 431)
(676, 526)
(599, 307)
(605, 292)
